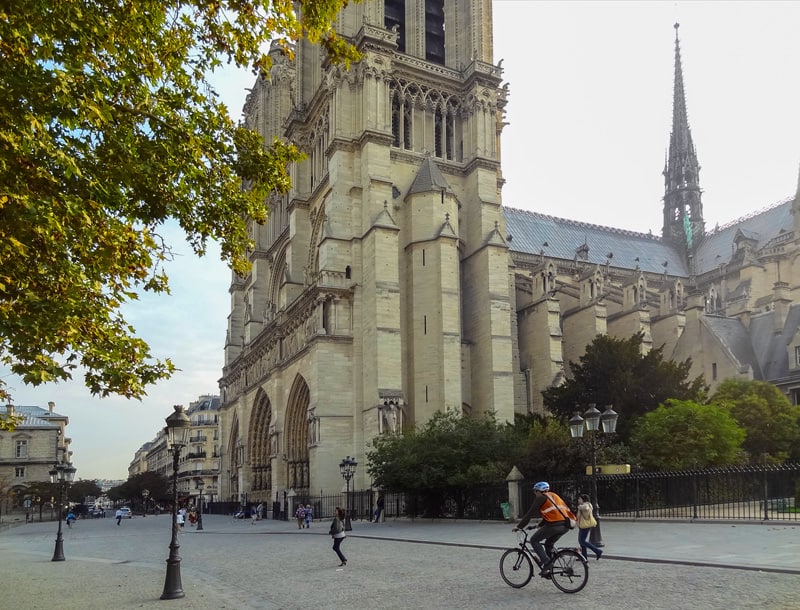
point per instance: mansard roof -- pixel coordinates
(717, 246)
(530, 231)
(36, 417)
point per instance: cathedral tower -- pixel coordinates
(380, 292)
(683, 207)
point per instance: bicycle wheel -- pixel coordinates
(516, 568)
(570, 571)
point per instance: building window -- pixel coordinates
(795, 394)
(19, 472)
(21, 450)
(797, 355)
(714, 370)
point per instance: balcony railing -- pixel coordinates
(198, 439)
(195, 455)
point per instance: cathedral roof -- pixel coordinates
(428, 178)
(717, 247)
(737, 340)
(535, 233)
(769, 346)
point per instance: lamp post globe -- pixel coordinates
(177, 434)
(594, 422)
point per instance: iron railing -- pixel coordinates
(742, 493)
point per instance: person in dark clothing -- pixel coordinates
(378, 509)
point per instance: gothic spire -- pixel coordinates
(683, 208)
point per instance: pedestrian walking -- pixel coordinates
(309, 517)
(118, 515)
(70, 518)
(378, 509)
(338, 535)
(586, 523)
(180, 518)
(260, 511)
(300, 515)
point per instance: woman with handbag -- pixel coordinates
(586, 522)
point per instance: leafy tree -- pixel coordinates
(684, 434)
(545, 447)
(131, 490)
(79, 490)
(448, 456)
(614, 372)
(772, 423)
(109, 129)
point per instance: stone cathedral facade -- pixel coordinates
(391, 282)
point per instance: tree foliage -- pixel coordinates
(131, 490)
(109, 129)
(685, 434)
(772, 423)
(80, 490)
(614, 372)
(545, 448)
(449, 455)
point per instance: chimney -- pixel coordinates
(52, 406)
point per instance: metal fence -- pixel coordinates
(748, 492)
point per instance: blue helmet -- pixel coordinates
(542, 486)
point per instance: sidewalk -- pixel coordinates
(271, 565)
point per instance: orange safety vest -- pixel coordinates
(551, 507)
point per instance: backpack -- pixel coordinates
(300, 512)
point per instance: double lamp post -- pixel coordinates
(594, 422)
(62, 475)
(348, 469)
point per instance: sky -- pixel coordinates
(588, 119)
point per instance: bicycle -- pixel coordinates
(569, 568)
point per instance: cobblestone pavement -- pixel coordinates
(398, 564)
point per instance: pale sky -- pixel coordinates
(588, 127)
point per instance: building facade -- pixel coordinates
(29, 452)
(391, 282)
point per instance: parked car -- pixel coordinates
(126, 512)
(98, 512)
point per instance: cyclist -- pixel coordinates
(555, 516)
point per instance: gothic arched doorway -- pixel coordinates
(296, 435)
(259, 445)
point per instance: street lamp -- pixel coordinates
(145, 495)
(62, 475)
(594, 421)
(348, 469)
(199, 484)
(177, 431)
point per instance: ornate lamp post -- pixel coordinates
(348, 469)
(62, 475)
(145, 496)
(594, 421)
(177, 431)
(199, 484)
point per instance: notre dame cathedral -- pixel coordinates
(391, 281)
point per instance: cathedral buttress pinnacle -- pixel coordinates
(683, 208)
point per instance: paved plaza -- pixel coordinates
(272, 565)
